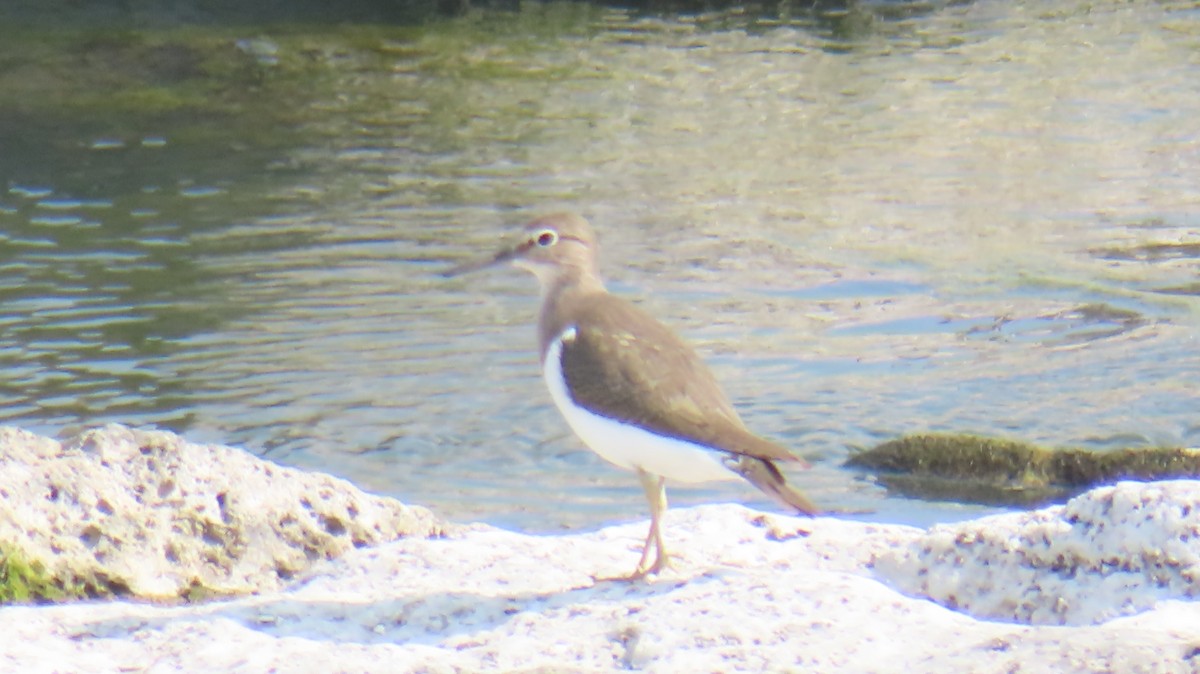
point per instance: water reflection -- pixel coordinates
(978, 219)
(103, 266)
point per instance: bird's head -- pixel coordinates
(554, 248)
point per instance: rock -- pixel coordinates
(1110, 552)
(117, 511)
(975, 469)
(1107, 582)
(750, 593)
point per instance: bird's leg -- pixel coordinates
(658, 508)
(642, 563)
(656, 494)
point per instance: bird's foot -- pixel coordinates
(662, 563)
(644, 570)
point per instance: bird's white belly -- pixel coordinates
(628, 446)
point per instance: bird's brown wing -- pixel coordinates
(624, 364)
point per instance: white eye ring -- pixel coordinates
(546, 238)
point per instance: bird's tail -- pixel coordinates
(766, 476)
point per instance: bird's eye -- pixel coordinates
(546, 238)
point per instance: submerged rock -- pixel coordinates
(117, 511)
(976, 469)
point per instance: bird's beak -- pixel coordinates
(500, 257)
(505, 254)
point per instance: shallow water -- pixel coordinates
(982, 219)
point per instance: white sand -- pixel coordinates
(752, 592)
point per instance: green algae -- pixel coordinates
(976, 469)
(24, 580)
(120, 78)
(269, 79)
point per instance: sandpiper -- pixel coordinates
(633, 391)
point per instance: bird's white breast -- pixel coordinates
(628, 446)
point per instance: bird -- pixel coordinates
(632, 390)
